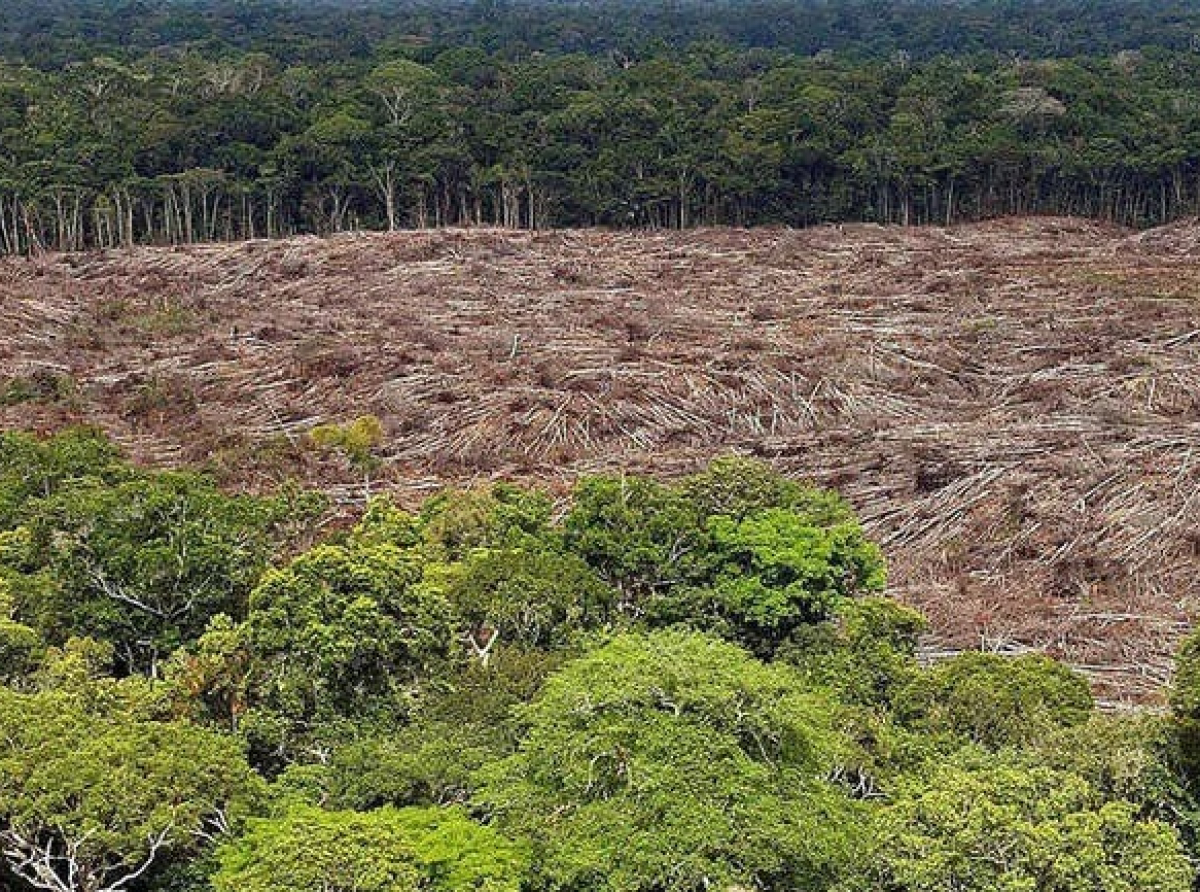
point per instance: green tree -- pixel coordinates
(91, 800)
(388, 850)
(641, 536)
(994, 701)
(737, 550)
(531, 596)
(347, 632)
(979, 823)
(33, 468)
(1184, 697)
(144, 562)
(864, 652)
(455, 523)
(676, 761)
(20, 646)
(778, 571)
(465, 723)
(1127, 757)
(357, 440)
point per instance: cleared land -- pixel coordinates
(1013, 408)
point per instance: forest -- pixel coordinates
(698, 681)
(642, 685)
(171, 123)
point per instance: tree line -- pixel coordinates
(649, 686)
(51, 33)
(188, 142)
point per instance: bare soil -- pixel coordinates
(1013, 408)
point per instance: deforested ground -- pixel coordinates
(1013, 408)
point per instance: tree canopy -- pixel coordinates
(674, 760)
(641, 685)
(201, 121)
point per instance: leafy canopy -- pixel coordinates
(674, 760)
(995, 701)
(388, 850)
(91, 798)
(981, 823)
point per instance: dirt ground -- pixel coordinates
(1013, 407)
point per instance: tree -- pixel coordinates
(402, 86)
(388, 850)
(1134, 758)
(145, 561)
(1185, 687)
(864, 652)
(20, 646)
(214, 680)
(455, 523)
(675, 761)
(90, 801)
(347, 631)
(641, 536)
(778, 571)
(1185, 705)
(357, 440)
(995, 701)
(33, 468)
(737, 550)
(532, 596)
(982, 824)
(463, 724)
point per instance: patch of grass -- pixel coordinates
(43, 387)
(168, 320)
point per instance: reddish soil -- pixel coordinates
(1013, 408)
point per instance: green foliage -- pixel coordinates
(20, 650)
(356, 439)
(979, 823)
(460, 727)
(1185, 687)
(737, 487)
(32, 468)
(214, 681)
(784, 556)
(99, 796)
(675, 761)
(302, 118)
(143, 562)
(80, 673)
(1126, 757)
(428, 763)
(591, 679)
(20, 646)
(776, 572)
(1184, 696)
(995, 701)
(388, 850)
(532, 597)
(454, 523)
(383, 523)
(40, 387)
(639, 535)
(864, 652)
(345, 631)
(90, 546)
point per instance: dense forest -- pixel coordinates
(696, 684)
(183, 122)
(647, 686)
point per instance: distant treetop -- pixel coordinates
(51, 31)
